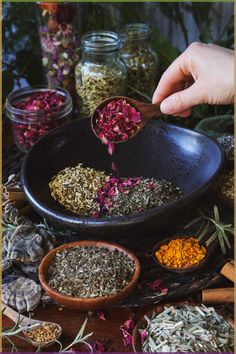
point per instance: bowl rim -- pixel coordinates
(181, 270)
(88, 301)
(135, 218)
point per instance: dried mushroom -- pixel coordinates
(22, 294)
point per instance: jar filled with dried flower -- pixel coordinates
(140, 60)
(59, 42)
(34, 111)
(100, 73)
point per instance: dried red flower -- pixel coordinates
(117, 121)
(127, 331)
(29, 130)
(101, 315)
(157, 286)
(143, 335)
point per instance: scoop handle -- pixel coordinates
(218, 296)
(228, 271)
(12, 314)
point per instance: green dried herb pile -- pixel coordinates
(88, 192)
(187, 329)
(90, 271)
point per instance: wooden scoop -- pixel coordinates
(147, 111)
(25, 322)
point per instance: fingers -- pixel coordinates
(180, 103)
(173, 79)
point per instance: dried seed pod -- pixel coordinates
(22, 294)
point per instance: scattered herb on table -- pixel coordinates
(227, 187)
(187, 329)
(90, 271)
(181, 253)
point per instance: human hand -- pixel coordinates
(203, 73)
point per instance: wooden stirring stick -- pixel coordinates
(217, 296)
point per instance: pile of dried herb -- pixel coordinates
(88, 192)
(123, 196)
(90, 271)
(228, 184)
(75, 188)
(187, 329)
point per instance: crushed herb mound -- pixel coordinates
(227, 187)
(75, 188)
(122, 196)
(90, 271)
(187, 329)
(88, 192)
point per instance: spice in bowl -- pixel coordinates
(116, 121)
(186, 329)
(44, 332)
(181, 253)
(90, 271)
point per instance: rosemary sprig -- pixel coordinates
(213, 226)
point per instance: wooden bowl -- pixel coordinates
(229, 202)
(180, 270)
(136, 340)
(88, 303)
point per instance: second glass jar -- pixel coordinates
(100, 73)
(140, 60)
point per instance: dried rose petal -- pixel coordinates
(117, 121)
(127, 330)
(143, 335)
(157, 285)
(27, 133)
(101, 315)
(99, 345)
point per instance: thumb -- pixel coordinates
(183, 100)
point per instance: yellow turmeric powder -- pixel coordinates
(181, 253)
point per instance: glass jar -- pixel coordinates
(140, 60)
(100, 73)
(34, 111)
(59, 42)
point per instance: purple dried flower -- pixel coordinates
(101, 315)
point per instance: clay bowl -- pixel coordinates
(136, 340)
(190, 160)
(88, 303)
(180, 270)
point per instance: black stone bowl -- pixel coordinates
(188, 159)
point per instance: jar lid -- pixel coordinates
(136, 31)
(100, 42)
